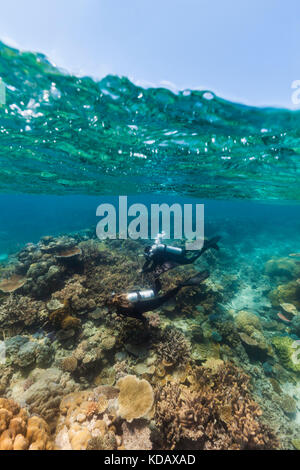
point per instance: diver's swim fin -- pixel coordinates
(195, 280)
(212, 243)
(166, 266)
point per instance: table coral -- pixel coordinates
(135, 399)
(12, 284)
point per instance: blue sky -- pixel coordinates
(244, 50)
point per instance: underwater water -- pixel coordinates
(220, 358)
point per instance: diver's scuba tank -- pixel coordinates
(140, 295)
(160, 249)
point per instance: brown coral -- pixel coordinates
(69, 364)
(217, 414)
(19, 432)
(62, 318)
(173, 348)
(69, 253)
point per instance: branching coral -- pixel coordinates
(28, 312)
(217, 414)
(76, 294)
(173, 348)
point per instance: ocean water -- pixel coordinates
(70, 143)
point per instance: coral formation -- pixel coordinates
(88, 421)
(286, 293)
(18, 431)
(135, 399)
(286, 267)
(62, 317)
(288, 352)
(173, 348)
(218, 414)
(13, 284)
(42, 391)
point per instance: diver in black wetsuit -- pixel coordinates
(134, 304)
(160, 258)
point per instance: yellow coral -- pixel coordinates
(135, 399)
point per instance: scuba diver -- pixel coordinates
(160, 258)
(134, 304)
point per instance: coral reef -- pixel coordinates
(205, 371)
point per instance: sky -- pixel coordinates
(243, 50)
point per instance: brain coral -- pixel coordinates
(286, 293)
(282, 267)
(42, 392)
(19, 432)
(135, 399)
(247, 321)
